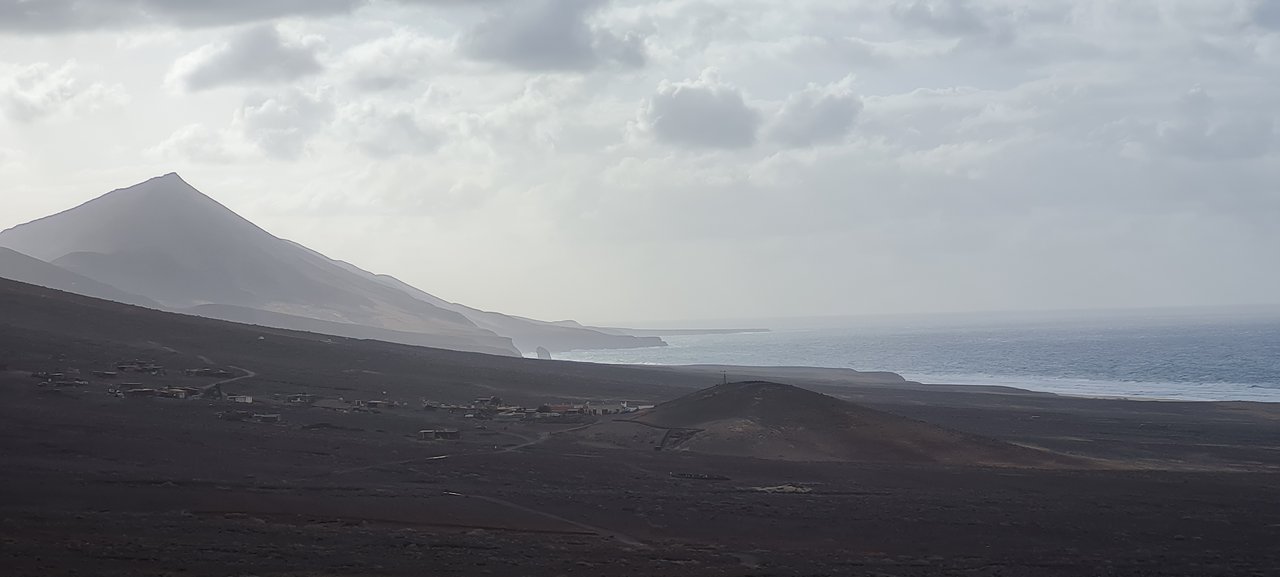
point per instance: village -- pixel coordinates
(138, 379)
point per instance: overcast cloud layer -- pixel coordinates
(631, 160)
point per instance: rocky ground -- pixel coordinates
(96, 485)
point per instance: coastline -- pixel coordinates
(995, 384)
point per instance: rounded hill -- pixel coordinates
(776, 421)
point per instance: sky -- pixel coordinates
(614, 160)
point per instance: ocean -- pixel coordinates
(1183, 356)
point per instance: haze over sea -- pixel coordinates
(1185, 355)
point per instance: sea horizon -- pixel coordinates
(1189, 354)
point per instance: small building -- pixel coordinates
(267, 417)
(105, 374)
(439, 434)
(301, 399)
(178, 392)
(240, 399)
(138, 393)
(70, 383)
(487, 402)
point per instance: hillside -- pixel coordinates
(775, 421)
(48, 330)
(20, 267)
(171, 246)
(527, 334)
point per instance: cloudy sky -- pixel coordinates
(672, 159)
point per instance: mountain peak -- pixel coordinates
(166, 185)
(155, 213)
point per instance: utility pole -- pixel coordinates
(725, 374)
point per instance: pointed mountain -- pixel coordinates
(166, 241)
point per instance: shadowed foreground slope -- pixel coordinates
(99, 485)
(49, 330)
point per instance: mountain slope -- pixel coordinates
(527, 334)
(48, 330)
(164, 240)
(20, 267)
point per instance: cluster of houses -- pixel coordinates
(141, 367)
(52, 379)
(70, 378)
(439, 434)
(494, 408)
(163, 392)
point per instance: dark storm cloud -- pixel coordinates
(549, 35)
(701, 114)
(257, 55)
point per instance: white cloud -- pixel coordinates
(200, 143)
(283, 123)
(399, 61)
(10, 159)
(38, 91)
(383, 132)
(702, 113)
(1199, 130)
(257, 55)
(817, 115)
(1011, 148)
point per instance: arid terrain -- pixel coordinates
(326, 472)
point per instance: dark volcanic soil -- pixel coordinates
(775, 421)
(92, 484)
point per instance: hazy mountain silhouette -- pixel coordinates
(528, 334)
(20, 267)
(168, 243)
